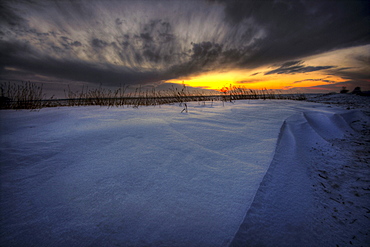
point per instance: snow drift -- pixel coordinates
(315, 193)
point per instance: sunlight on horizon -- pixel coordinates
(218, 80)
(346, 59)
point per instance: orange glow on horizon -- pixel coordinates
(218, 80)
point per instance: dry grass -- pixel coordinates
(24, 96)
(29, 96)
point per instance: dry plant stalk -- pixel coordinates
(29, 96)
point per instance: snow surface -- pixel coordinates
(246, 174)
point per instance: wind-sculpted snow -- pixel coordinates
(315, 192)
(154, 176)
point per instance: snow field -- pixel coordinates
(91, 176)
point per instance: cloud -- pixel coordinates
(146, 37)
(250, 81)
(290, 64)
(74, 70)
(320, 80)
(205, 53)
(350, 85)
(353, 74)
(296, 29)
(152, 56)
(99, 43)
(8, 16)
(352, 77)
(118, 21)
(130, 41)
(294, 67)
(204, 57)
(365, 59)
(76, 44)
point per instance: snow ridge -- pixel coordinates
(315, 198)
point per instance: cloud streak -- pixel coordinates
(320, 80)
(294, 67)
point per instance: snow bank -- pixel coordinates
(92, 176)
(315, 192)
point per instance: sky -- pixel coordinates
(308, 46)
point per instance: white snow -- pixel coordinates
(240, 174)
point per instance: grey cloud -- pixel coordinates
(156, 32)
(65, 39)
(343, 68)
(98, 43)
(106, 74)
(204, 56)
(156, 43)
(146, 37)
(232, 57)
(323, 80)
(67, 43)
(8, 15)
(290, 63)
(166, 37)
(42, 34)
(152, 56)
(57, 49)
(251, 81)
(353, 77)
(76, 44)
(354, 74)
(118, 21)
(295, 67)
(125, 44)
(365, 59)
(206, 51)
(301, 28)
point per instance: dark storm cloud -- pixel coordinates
(26, 59)
(301, 28)
(129, 41)
(8, 16)
(294, 67)
(205, 53)
(157, 42)
(204, 56)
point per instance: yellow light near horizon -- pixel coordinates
(213, 80)
(218, 80)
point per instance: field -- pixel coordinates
(241, 173)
